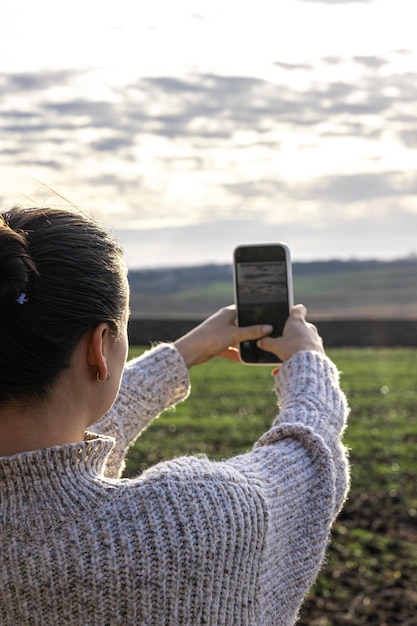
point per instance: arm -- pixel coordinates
(313, 406)
(159, 379)
(298, 469)
(257, 524)
(303, 469)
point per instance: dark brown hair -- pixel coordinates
(61, 274)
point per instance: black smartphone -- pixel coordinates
(263, 294)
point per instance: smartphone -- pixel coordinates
(263, 294)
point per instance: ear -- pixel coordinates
(96, 351)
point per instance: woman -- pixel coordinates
(190, 541)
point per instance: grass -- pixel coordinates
(224, 415)
(372, 558)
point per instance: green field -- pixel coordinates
(371, 572)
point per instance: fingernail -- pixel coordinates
(267, 328)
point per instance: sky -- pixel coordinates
(191, 126)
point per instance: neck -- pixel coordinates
(59, 419)
(23, 431)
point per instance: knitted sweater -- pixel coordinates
(190, 541)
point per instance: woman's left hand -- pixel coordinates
(217, 336)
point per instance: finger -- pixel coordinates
(230, 312)
(245, 333)
(269, 343)
(230, 353)
(299, 311)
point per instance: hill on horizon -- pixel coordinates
(335, 289)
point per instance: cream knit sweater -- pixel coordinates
(190, 541)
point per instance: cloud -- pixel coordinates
(112, 143)
(135, 148)
(360, 187)
(210, 107)
(333, 190)
(372, 61)
(231, 103)
(294, 66)
(409, 137)
(36, 81)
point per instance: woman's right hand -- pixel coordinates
(217, 336)
(298, 335)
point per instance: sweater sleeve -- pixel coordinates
(302, 469)
(313, 408)
(150, 384)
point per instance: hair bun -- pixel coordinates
(16, 264)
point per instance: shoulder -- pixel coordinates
(192, 484)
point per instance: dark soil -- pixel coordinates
(371, 572)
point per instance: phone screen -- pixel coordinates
(263, 294)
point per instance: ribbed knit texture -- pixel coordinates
(190, 541)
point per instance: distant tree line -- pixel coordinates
(335, 333)
(174, 279)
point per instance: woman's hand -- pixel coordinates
(217, 336)
(298, 335)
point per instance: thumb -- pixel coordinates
(269, 344)
(245, 333)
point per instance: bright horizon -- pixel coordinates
(194, 126)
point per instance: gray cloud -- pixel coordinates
(258, 189)
(372, 61)
(212, 107)
(37, 81)
(233, 103)
(53, 164)
(293, 66)
(112, 144)
(207, 111)
(122, 185)
(332, 59)
(331, 190)
(409, 137)
(81, 112)
(359, 187)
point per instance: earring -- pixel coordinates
(103, 381)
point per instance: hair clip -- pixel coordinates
(22, 299)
